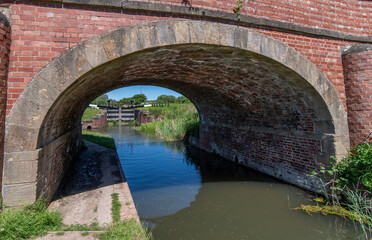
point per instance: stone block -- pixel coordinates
(342, 146)
(57, 75)
(94, 52)
(111, 3)
(20, 138)
(113, 43)
(147, 35)
(292, 58)
(240, 37)
(19, 194)
(16, 172)
(254, 41)
(181, 32)
(212, 33)
(23, 116)
(341, 126)
(23, 156)
(227, 35)
(196, 32)
(75, 62)
(131, 40)
(165, 33)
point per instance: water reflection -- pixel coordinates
(193, 195)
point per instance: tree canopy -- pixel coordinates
(101, 100)
(138, 99)
(166, 99)
(182, 99)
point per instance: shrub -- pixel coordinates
(355, 169)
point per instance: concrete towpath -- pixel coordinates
(84, 196)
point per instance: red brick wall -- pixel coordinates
(4, 62)
(144, 118)
(358, 83)
(97, 121)
(285, 157)
(341, 15)
(42, 31)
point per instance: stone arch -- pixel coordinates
(36, 127)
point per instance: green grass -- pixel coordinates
(112, 123)
(35, 220)
(79, 227)
(32, 220)
(125, 230)
(100, 139)
(84, 234)
(89, 113)
(178, 120)
(115, 207)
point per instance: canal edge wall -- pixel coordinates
(124, 189)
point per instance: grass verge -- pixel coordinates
(128, 229)
(116, 206)
(35, 221)
(32, 220)
(100, 139)
(89, 113)
(125, 230)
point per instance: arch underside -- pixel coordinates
(259, 101)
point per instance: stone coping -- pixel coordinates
(357, 48)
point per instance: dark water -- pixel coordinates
(188, 195)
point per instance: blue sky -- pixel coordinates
(151, 92)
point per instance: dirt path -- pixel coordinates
(84, 196)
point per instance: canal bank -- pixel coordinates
(85, 195)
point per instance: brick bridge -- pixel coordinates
(280, 88)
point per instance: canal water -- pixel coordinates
(182, 194)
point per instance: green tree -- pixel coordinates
(139, 98)
(182, 99)
(166, 99)
(101, 100)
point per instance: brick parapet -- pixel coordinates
(357, 61)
